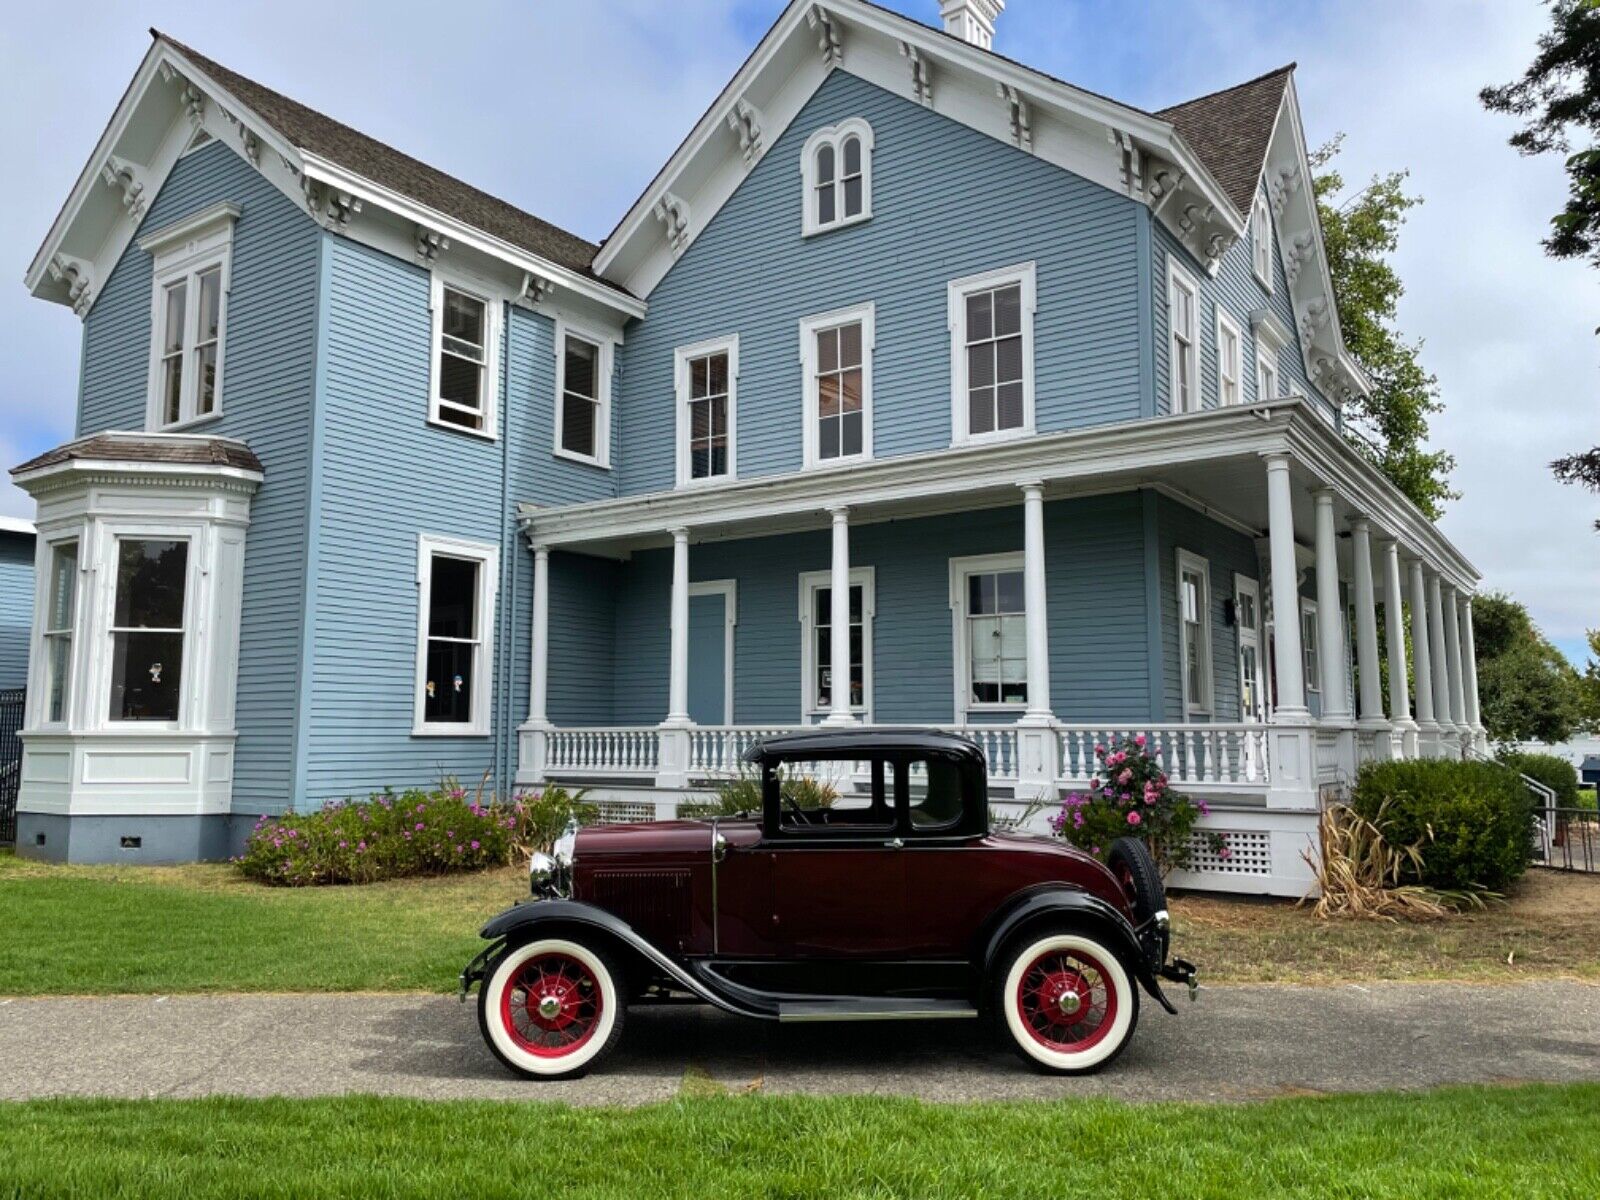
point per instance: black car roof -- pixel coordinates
(835, 743)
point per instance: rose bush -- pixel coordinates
(415, 833)
(1131, 797)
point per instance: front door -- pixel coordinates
(710, 668)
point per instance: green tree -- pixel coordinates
(1558, 97)
(1360, 230)
(1527, 689)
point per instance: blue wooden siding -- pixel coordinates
(16, 606)
(948, 202)
(1237, 290)
(267, 385)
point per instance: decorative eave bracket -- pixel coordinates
(78, 276)
(673, 213)
(1021, 116)
(921, 74)
(191, 97)
(332, 208)
(533, 290)
(745, 121)
(130, 178)
(829, 40)
(1131, 162)
(430, 244)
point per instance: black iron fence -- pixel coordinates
(1567, 839)
(11, 700)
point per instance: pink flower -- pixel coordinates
(1224, 853)
(1205, 809)
(420, 827)
(474, 845)
(1126, 777)
(342, 845)
(1099, 749)
(361, 846)
(1138, 739)
(1133, 817)
(1094, 784)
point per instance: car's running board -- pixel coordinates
(874, 1008)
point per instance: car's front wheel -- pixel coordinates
(1066, 1002)
(550, 1009)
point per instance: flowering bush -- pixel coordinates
(415, 833)
(1130, 797)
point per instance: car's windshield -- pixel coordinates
(842, 795)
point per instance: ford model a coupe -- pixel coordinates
(888, 899)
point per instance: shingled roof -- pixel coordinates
(311, 131)
(176, 450)
(1230, 131)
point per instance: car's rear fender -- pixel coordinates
(1072, 907)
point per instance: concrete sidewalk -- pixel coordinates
(1236, 1043)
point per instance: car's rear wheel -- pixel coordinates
(1066, 1002)
(552, 1008)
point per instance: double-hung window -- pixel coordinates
(147, 628)
(1230, 359)
(1183, 323)
(707, 379)
(1261, 242)
(988, 599)
(836, 171)
(1266, 373)
(817, 634)
(583, 396)
(456, 582)
(1310, 651)
(991, 353)
(188, 316)
(1194, 629)
(466, 338)
(61, 610)
(836, 353)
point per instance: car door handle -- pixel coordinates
(895, 843)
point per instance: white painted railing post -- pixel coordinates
(1403, 736)
(1293, 769)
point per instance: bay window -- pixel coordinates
(61, 612)
(147, 628)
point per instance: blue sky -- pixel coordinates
(568, 107)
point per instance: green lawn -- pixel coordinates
(1492, 1142)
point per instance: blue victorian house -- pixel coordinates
(918, 387)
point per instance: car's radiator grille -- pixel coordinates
(655, 903)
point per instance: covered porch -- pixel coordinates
(1153, 564)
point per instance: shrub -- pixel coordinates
(1472, 821)
(1555, 772)
(1133, 800)
(415, 833)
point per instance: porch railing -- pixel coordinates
(1230, 755)
(617, 750)
(718, 749)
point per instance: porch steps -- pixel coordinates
(874, 1008)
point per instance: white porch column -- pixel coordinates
(533, 748)
(1033, 587)
(1469, 666)
(678, 692)
(1452, 650)
(839, 711)
(1441, 670)
(1366, 630)
(1290, 755)
(1422, 664)
(1404, 728)
(1330, 625)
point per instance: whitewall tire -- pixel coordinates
(550, 1009)
(1066, 1002)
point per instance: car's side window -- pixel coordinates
(835, 798)
(932, 788)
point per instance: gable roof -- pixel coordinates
(312, 131)
(1231, 130)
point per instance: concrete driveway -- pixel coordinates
(1236, 1043)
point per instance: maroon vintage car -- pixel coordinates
(894, 901)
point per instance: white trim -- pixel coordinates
(1261, 242)
(17, 525)
(866, 315)
(605, 344)
(487, 556)
(493, 325)
(810, 583)
(1026, 276)
(182, 252)
(728, 589)
(1189, 563)
(681, 358)
(40, 677)
(1246, 585)
(1310, 647)
(960, 569)
(811, 222)
(1226, 324)
(1178, 278)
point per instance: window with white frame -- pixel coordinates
(466, 340)
(836, 171)
(190, 265)
(836, 353)
(816, 637)
(1261, 242)
(583, 396)
(147, 628)
(1311, 653)
(991, 353)
(1194, 632)
(1266, 372)
(61, 610)
(706, 377)
(991, 631)
(1183, 322)
(456, 584)
(1230, 359)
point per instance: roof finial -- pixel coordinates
(971, 20)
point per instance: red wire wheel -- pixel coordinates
(552, 1005)
(1067, 1000)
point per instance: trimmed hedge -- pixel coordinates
(1555, 772)
(1473, 820)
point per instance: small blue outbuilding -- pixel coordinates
(16, 600)
(1589, 770)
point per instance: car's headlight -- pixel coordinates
(541, 874)
(551, 874)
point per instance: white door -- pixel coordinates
(1247, 621)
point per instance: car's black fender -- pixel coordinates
(1075, 907)
(532, 918)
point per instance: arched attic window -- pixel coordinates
(837, 168)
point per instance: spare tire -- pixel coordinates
(1131, 862)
